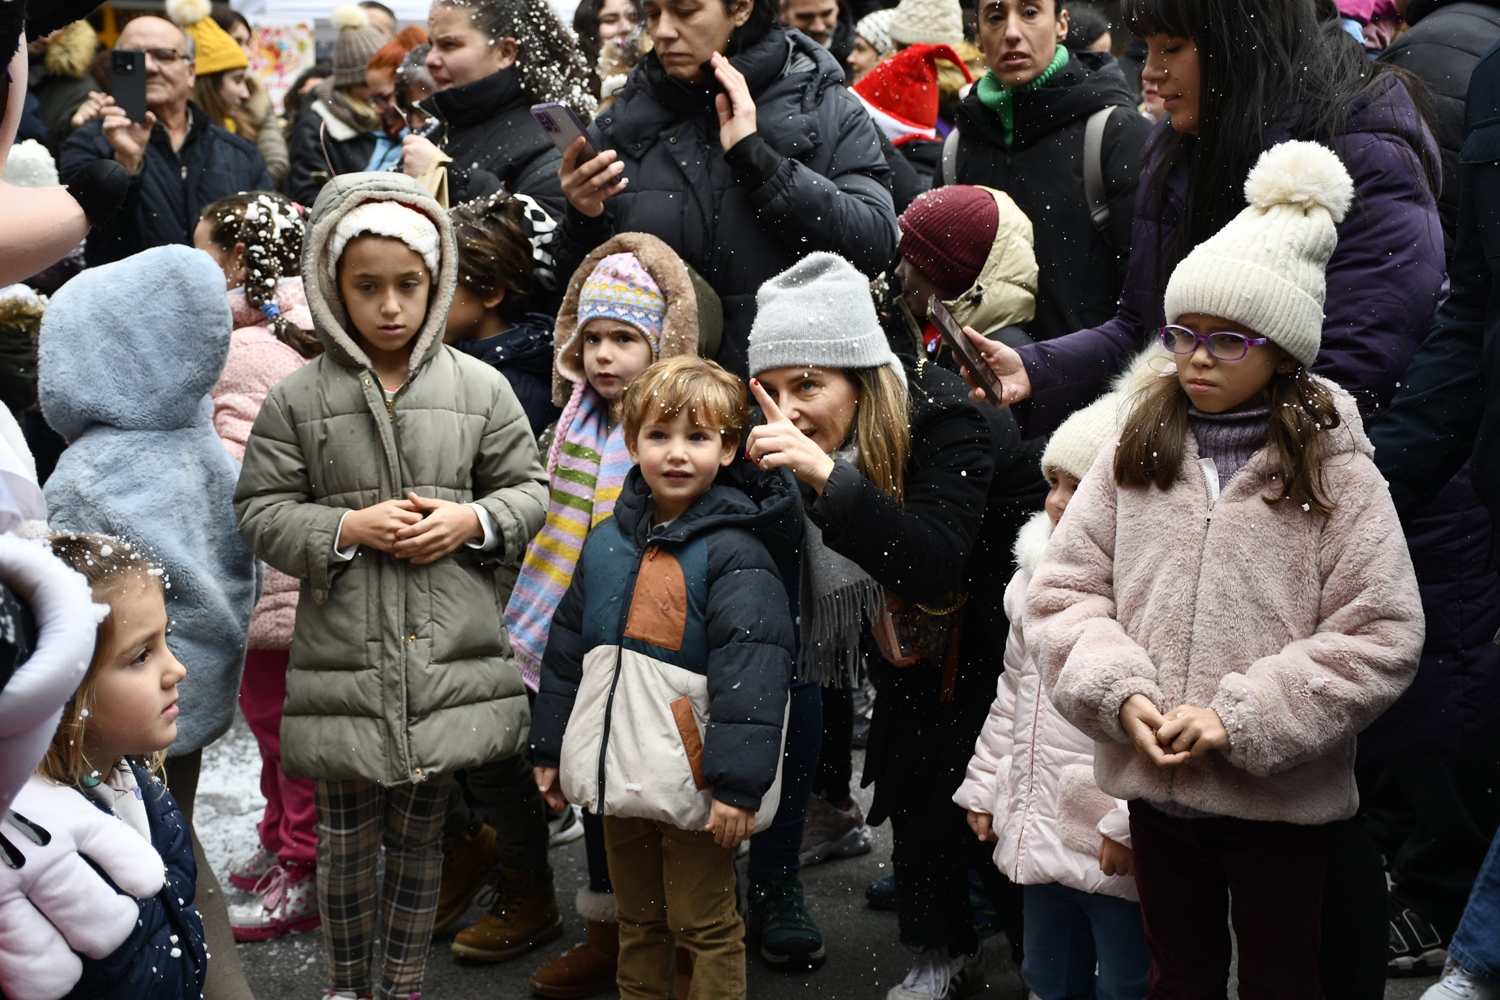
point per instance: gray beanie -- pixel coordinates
(819, 313)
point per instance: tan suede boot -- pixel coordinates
(524, 916)
(470, 862)
(587, 971)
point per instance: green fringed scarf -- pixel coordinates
(997, 97)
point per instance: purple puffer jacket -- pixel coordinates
(1384, 280)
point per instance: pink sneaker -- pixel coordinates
(287, 904)
(249, 872)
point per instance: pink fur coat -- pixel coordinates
(1297, 630)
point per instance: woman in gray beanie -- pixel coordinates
(912, 494)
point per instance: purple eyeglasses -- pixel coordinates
(1223, 345)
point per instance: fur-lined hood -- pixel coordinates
(1031, 543)
(693, 323)
(72, 52)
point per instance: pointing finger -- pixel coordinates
(767, 404)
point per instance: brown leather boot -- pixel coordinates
(524, 916)
(470, 862)
(586, 971)
(682, 982)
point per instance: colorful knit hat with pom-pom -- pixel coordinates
(1265, 269)
(620, 288)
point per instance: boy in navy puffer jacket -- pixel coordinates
(663, 701)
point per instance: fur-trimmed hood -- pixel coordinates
(1004, 294)
(1031, 542)
(340, 196)
(694, 314)
(72, 52)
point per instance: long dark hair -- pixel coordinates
(1260, 61)
(586, 27)
(1150, 451)
(763, 14)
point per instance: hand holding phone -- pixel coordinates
(563, 127)
(980, 372)
(127, 82)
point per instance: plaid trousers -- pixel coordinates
(355, 819)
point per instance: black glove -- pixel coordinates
(100, 188)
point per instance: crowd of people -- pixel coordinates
(1086, 409)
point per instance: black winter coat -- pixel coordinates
(523, 354)
(165, 956)
(812, 178)
(495, 143)
(164, 200)
(316, 156)
(1081, 271)
(1442, 47)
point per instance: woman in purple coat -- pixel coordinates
(1239, 76)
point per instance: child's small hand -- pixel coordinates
(730, 824)
(1141, 721)
(446, 526)
(980, 823)
(546, 783)
(1193, 731)
(377, 526)
(1115, 858)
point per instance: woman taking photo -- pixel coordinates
(490, 61)
(744, 182)
(898, 472)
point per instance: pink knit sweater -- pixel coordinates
(257, 361)
(1297, 630)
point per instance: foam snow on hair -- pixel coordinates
(186, 12)
(350, 15)
(548, 58)
(1307, 175)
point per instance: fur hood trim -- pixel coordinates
(72, 52)
(1031, 543)
(687, 311)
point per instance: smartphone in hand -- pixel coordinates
(127, 82)
(564, 127)
(963, 349)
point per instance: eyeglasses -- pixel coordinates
(1223, 345)
(165, 57)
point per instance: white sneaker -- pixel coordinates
(937, 975)
(1459, 983)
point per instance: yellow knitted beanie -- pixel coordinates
(214, 51)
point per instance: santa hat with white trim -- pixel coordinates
(901, 93)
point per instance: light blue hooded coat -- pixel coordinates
(128, 354)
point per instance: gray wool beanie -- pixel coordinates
(819, 313)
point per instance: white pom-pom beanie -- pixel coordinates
(1265, 269)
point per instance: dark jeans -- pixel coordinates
(934, 851)
(1196, 875)
(778, 848)
(503, 793)
(1476, 943)
(1356, 928)
(836, 759)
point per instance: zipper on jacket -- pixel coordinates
(614, 683)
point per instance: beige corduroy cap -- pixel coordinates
(1265, 269)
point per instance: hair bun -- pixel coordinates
(1306, 175)
(350, 15)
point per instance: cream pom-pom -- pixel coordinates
(1305, 174)
(350, 15)
(186, 12)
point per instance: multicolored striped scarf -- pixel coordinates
(586, 468)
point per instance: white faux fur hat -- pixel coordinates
(395, 219)
(1265, 269)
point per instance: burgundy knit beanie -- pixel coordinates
(948, 233)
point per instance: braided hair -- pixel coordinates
(549, 60)
(270, 226)
(494, 251)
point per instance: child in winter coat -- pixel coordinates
(256, 239)
(392, 475)
(1230, 600)
(1030, 786)
(104, 759)
(664, 685)
(630, 303)
(489, 318)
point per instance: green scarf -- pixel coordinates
(997, 97)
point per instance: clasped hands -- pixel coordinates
(1174, 738)
(421, 529)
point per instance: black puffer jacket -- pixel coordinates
(164, 200)
(1442, 47)
(495, 143)
(812, 178)
(322, 147)
(1081, 271)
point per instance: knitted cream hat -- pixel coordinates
(818, 313)
(1265, 269)
(214, 49)
(876, 29)
(1079, 439)
(935, 22)
(358, 40)
(394, 219)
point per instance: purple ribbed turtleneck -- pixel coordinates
(1230, 438)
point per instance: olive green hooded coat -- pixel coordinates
(397, 671)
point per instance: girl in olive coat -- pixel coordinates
(392, 475)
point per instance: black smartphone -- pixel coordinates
(127, 82)
(964, 350)
(563, 125)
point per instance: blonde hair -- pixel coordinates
(711, 396)
(110, 565)
(882, 429)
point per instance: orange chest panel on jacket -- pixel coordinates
(659, 606)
